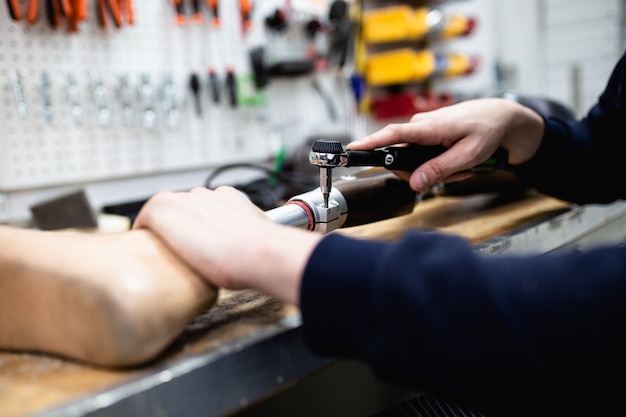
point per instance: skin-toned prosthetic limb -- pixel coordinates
(114, 299)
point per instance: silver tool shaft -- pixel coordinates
(326, 182)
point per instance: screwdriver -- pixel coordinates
(245, 8)
(32, 14)
(214, 85)
(179, 6)
(214, 7)
(195, 86)
(231, 87)
(198, 17)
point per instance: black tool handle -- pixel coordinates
(407, 158)
(375, 196)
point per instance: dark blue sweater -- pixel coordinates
(514, 332)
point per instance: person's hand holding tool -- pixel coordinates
(471, 130)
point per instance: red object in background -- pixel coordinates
(407, 104)
(472, 22)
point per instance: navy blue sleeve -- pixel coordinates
(582, 161)
(429, 312)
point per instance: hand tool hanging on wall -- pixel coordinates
(197, 15)
(169, 102)
(54, 13)
(181, 16)
(288, 67)
(195, 86)
(245, 9)
(215, 11)
(231, 87)
(46, 97)
(406, 65)
(113, 8)
(127, 10)
(403, 23)
(214, 86)
(32, 13)
(125, 99)
(15, 9)
(75, 11)
(147, 103)
(18, 94)
(98, 91)
(79, 9)
(71, 89)
(339, 32)
(72, 11)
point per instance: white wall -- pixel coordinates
(561, 49)
(507, 35)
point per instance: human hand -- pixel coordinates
(229, 241)
(472, 130)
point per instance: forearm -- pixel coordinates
(577, 159)
(478, 325)
(276, 267)
(112, 300)
(570, 165)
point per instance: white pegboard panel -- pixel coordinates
(40, 149)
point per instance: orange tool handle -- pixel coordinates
(66, 7)
(15, 9)
(180, 12)
(32, 15)
(101, 13)
(79, 8)
(126, 6)
(215, 10)
(245, 7)
(116, 12)
(75, 11)
(196, 6)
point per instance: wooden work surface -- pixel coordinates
(31, 383)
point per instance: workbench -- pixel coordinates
(249, 347)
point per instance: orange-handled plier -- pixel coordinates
(32, 13)
(127, 9)
(15, 9)
(58, 9)
(114, 9)
(79, 9)
(75, 11)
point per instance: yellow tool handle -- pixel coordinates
(405, 65)
(403, 23)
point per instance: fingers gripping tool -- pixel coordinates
(329, 154)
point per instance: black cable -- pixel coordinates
(271, 190)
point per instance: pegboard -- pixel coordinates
(72, 138)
